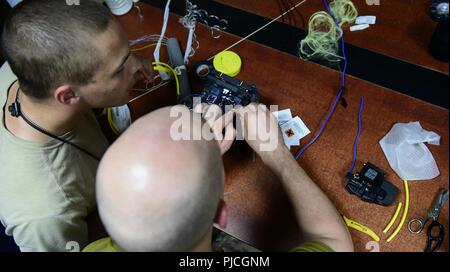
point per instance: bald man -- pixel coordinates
(159, 194)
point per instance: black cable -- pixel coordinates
(16, 112)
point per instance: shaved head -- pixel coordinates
(158, 194)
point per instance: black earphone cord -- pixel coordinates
(18, 112)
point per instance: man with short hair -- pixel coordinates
(62, 61)
(165, 194)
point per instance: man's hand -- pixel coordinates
(261, 131)
(316, 215)
(218, 122)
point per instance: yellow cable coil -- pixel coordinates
(113, 125)
(323, 33)
(344, 11)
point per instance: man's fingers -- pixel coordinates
(240, 112)
(211, 114)
(221, 123)
(252, 107)
(228, 117)
(262, 107)
(242, 123)
(230, 134)
(200, 107)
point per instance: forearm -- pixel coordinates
(316, 215)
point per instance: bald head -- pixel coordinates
(159, 194)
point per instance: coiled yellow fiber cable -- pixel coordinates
(322, 38)
(323, 33)
(344, 11)
(113, 125)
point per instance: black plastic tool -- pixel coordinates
(370, 185)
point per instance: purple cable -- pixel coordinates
(322, 128)
(324, 124)
(342, 42)
(355, 145)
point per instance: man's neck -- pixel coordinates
(53, 117)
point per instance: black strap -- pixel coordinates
(38, 128)
(16, 111)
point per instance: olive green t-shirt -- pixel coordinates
(47, 190)
(107, 245)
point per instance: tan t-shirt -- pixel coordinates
(47, 190)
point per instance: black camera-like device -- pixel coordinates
(370, 185)
(222, 90)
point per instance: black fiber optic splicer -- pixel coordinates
(370, 185)
(221, 89)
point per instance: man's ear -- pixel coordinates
(65, 94)
(221, 215)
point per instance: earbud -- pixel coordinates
(14, 109)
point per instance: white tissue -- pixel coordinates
(407, 154)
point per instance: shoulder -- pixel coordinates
(34, 186)
(55, 233)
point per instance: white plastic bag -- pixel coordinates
(407, 154)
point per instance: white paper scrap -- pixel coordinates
(371, 20)
(283, 116)
(293, 131)
(359, 27)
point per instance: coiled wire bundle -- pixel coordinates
(324, 33)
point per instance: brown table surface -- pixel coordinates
(259, 211)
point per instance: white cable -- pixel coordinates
(259, 29)
(189, 21)
(163, 31)
(196, 15)
(163, 75)
(188, 51)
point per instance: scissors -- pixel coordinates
(417, 225)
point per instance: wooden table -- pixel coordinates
(259, 211)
